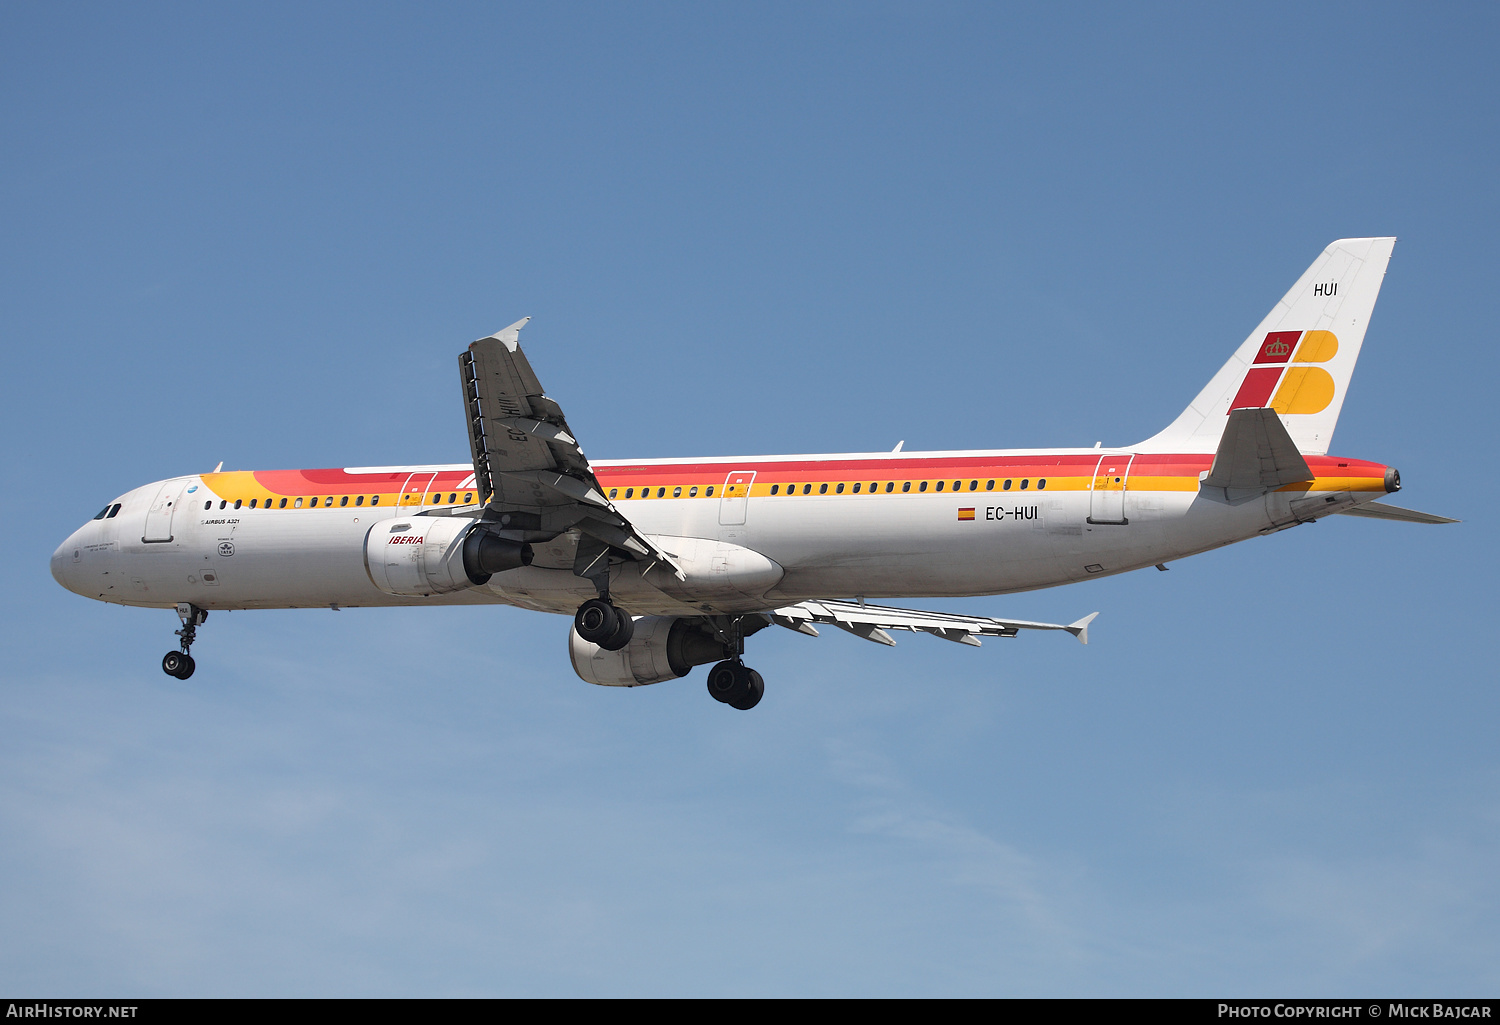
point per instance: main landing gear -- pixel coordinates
(736, 684)
(731, 681)
(179, 663)
(599, 622)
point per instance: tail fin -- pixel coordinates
(1299, 360)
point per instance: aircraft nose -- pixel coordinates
(64, 559)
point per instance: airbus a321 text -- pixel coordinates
(667, 564)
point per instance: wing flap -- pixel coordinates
(873, 622)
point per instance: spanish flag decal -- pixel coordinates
(966, 514)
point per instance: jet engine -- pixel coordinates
(661, 648)
(426, 555)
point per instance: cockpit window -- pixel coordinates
(114, 511)
(102, 513)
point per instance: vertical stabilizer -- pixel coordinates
(1299, 360)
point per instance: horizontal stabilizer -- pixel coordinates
(1378, 511)
(1256, 454)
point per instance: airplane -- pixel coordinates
(668, 564)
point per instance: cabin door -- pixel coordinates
(735, 499)
(414, 490)
(159, 516)
(1107, 492)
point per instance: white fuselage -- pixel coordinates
(766, 551)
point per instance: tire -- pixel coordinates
(729, 682)
(597, 621)
(178, 664)
(753, 693)
(624, 630)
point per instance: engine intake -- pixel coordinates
(662, 648)
(426, 555)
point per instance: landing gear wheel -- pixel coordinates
(178, 664)
(733, 684)
(599, 622)
(624, 630)
(755, 692)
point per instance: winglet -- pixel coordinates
(510, 337)
(1080, 629)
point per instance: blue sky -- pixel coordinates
(262, 235)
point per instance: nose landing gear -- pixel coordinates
(179, 663)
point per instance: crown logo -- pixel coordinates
(1278, 349)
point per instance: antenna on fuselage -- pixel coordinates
(898, 445)
(219, 467)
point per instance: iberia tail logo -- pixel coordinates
(1298, 388)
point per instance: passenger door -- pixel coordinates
(159, 516)
(1107, 492)
(735, 500)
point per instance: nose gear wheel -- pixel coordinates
(179, 663)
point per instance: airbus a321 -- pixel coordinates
(667, 564)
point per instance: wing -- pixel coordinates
(529, 469)
(873, 621)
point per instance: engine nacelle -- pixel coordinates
(426, 555)
(662, 648)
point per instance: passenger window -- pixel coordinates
(252, 502)
(1025, 484)
(313, 504)
(298, 503)
(922, 486)
(238, 502)
(856, 488)
(940, 485)
(1007, 486)
(774, 488)
(468, 497)
(612, 492)
(1041, 484)
(661, 492)
(223, 504)
(890, 486)
(708, 492)
(693, 492)
(281, 504)
(359, 500)
(839, 490)
(328, 501)
(676, 492)
(630, 492)
(822, 489)
(374, 500)
(906, 486)
(958, 485)
(989, 485)
(973, 485)
(208, 505)
(874, 486)
(343, 501)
